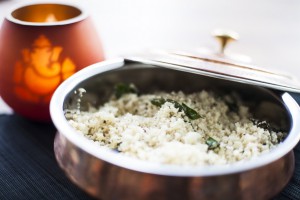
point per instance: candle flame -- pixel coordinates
(51, 18)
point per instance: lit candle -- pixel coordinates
(51, 18)
(36, 56)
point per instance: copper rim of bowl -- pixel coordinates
(108, 155)
(47, 14)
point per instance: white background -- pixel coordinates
(269, 30)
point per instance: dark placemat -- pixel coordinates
(292, 190)
(28, 169)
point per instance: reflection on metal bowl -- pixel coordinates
(107, 174)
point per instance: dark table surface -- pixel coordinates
(28, 169)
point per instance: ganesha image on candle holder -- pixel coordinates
(40, 71)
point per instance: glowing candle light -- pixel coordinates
(37, 56)
(51, 18)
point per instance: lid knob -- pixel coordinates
(224, 37)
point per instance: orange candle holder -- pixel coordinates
(41, 45)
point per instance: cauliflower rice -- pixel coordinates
(134, 126)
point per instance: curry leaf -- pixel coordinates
(212, 143)
(176, 104)
(191, 113)
(158, 102)
(124, 88)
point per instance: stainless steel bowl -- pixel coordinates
(107, 174)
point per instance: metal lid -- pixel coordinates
(219, 66)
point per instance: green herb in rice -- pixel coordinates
(180, 129)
